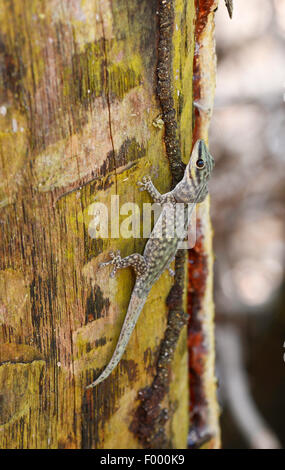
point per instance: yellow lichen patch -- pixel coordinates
(96, 75)
(123, 76)
(87, 66)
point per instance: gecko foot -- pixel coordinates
(115, 260)
(145, 184)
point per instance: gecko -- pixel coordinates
(162, 244)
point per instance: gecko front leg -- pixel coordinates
(147, 185)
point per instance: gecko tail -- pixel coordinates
(134, 309)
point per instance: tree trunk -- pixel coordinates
(94, 95)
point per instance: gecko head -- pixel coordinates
(201, 164)
(193, 187)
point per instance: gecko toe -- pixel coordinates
(102, 265)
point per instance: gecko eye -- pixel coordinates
(200, 163)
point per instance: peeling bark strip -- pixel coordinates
(165, 89)
(198, 272)
(203, 9)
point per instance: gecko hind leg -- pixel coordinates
(136, 261)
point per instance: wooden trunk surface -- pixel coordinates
(79, 124)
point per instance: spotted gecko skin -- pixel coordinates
(161, 247)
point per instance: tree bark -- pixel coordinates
(94, 95)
